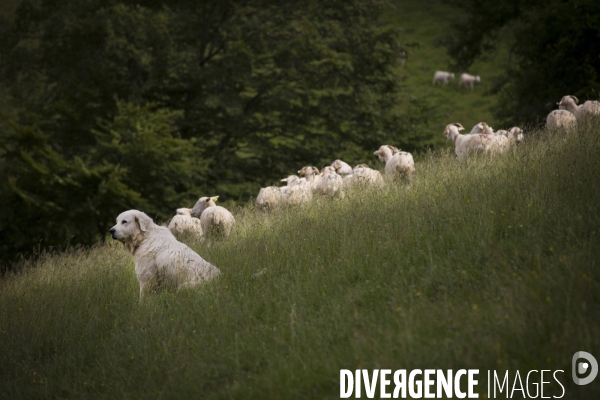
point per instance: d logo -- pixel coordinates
(582, 368)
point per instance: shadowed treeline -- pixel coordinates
(112, 105)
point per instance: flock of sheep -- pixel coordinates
(569, 113)
(160, 257)
(206, 218)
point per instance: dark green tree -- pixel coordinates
(190, 98)
(554, 51)
(50, 200)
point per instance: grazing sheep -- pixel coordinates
(183, 223)
(561, 120)
(468, 80)
(202, 204)
(465, 144)
(215, 220)
(312, 176)
(397, 163)
(296, 195)
(268, 198)
(341, 168)
(514, 134)
(298, 191)
(330, 183)
(442, 77)
(482, 127)
(159, 258)
(587, 109)
(363, 175)
(497, 143)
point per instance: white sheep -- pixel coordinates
(269, 198)
(298, 191)
(442, 77)
(183, 223)
(330, 183)
(587, 109)
(515, 134)
(482, 127)
(468, 80)
(296, 195)
(341, 168)
(363, 175)
(561, 120)
(397, 163)
(214, 219)
(497, 143)
(465, 144)
(312, 176)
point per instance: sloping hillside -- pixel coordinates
(426, 23)
(488, 264)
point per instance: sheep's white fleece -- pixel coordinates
(184, 223)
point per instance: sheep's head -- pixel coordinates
(393, 149)
(477, 78)
(567, 101)
(202, 204)
(455, 127)
(308, 171)
(485, 128)
(328, 170)
(385, 152)
(516, 134)
(184, 211)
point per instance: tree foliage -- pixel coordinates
(554, 50)
(168, 101)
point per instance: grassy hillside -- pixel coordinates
(489, 264)
(426, 22)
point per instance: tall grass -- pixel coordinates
(428, 22)
(488, 264)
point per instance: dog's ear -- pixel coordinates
(143, 221)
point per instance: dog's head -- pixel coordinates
(130, 226)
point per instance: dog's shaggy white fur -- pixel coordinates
(159, 257)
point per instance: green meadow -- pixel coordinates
(489, 264)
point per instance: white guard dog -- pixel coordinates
(159, 257)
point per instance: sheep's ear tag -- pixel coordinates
(215, 198)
